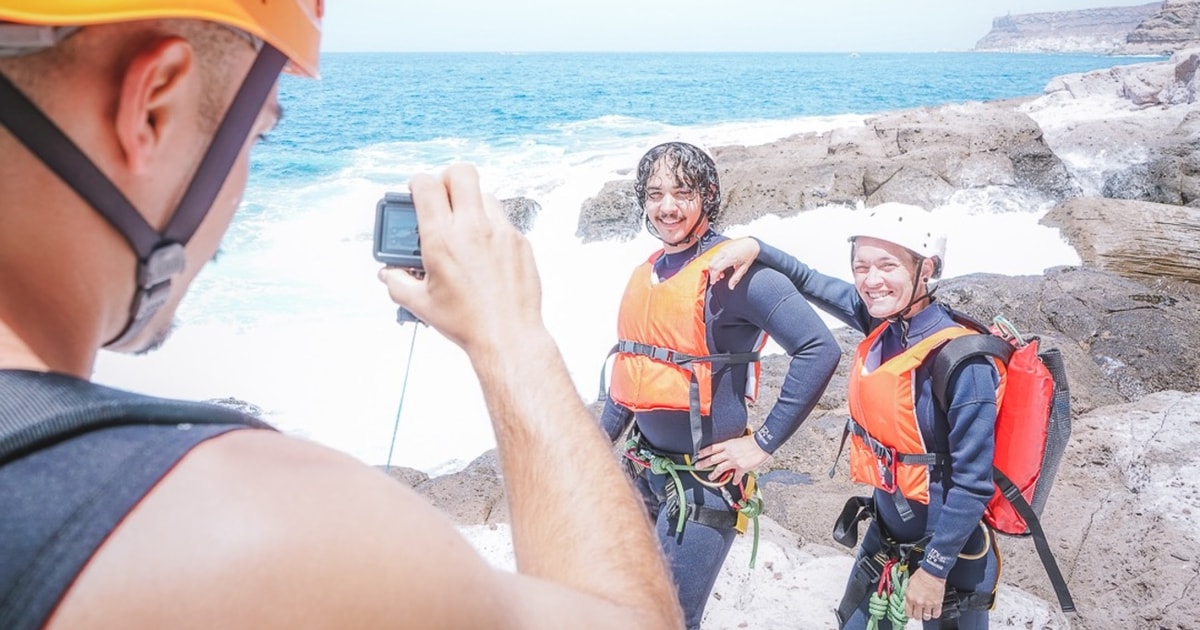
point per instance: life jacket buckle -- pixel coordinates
(886, 463)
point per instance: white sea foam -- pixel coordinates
(293, 320)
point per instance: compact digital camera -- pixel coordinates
(397, 241)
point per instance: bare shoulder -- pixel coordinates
(255, 529)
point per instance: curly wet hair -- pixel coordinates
(692, 168)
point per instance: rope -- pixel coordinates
(403, 388)
(887, 602)
(751, 507)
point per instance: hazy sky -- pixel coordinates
(672, 25)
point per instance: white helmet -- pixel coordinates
(910, 227)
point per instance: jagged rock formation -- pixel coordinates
(918, 156)
(1101, 30)
(1135, 239)
(1175, 27)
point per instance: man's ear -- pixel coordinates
(155, 95)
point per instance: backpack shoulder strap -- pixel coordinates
(38, 409)
(1040, 543)
(955, 352)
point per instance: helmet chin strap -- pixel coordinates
(901, 316)
(160, 256)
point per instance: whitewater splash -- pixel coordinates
(293, 320)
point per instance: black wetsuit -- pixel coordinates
(764, 300)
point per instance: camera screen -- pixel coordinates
(400, 231)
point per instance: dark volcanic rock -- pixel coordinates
(919, 156)
(1137, 338)
(612, 214)
(238, 404)
(521, 212)
(472, 496)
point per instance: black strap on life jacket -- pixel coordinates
(888, 458)
(39, 409)
(957, 351)
(945, 366)
(667, 355)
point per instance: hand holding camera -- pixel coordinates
(480, 286)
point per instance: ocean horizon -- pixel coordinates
(292, 319)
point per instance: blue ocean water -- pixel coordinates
(366, 99)
(292, 319)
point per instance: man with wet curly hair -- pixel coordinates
(686, 364)
(695, 169)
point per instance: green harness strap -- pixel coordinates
(751, 507)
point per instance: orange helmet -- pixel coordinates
(292, 26)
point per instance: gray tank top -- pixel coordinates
(59, 504)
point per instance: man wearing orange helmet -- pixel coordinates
(125, 128)
(927, 553)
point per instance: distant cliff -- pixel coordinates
(1175, 27)
(1101, 30)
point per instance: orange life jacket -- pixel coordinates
(886, 449)
(663, 361)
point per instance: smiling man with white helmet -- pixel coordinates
(125, 131)
(931, 467)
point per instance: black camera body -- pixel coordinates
(397, 241)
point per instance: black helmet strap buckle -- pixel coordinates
(160, 256)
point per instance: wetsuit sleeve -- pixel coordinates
(832, 295)
(783, 314)
(614, 419)
(972, 422)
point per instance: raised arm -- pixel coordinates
(482, 291)
(255, 529)
(832, 295)
(814, 357)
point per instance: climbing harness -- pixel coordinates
(883, 577)
(748, 507)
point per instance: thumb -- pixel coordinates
(404, 288)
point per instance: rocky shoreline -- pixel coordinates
(1126, 505)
